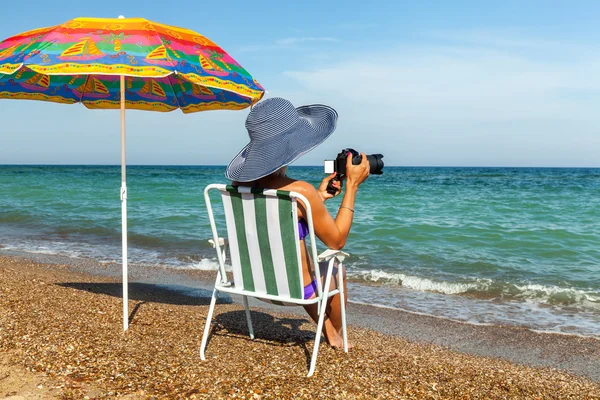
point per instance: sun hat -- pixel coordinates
(279, 134)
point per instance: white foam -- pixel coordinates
(528, 314)
(44, 250)
(529, 291)
(421, 284)
(208, 264)
(545, 293)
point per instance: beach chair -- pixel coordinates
(262, 235)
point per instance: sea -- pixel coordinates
(496, 246)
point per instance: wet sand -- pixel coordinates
(61, 337)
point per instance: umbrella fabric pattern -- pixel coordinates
(103, 92)
(166, 67)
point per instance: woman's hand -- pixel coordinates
(337, 184)
(357, 174)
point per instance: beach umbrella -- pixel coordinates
(124, 63)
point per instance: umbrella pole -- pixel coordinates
(124, 209)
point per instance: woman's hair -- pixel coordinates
(280, 172)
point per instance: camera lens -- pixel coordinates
(375, 164)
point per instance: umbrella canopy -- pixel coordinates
(119, 63)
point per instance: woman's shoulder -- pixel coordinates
(302, 187)
(297, 185)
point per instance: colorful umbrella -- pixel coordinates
(124, 63)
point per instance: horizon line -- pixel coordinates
(291, 166)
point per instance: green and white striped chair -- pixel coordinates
(262, 231)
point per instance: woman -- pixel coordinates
(279, 134)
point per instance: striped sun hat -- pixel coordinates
(279, 134)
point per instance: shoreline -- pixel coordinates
(473, 323)
(205, 278)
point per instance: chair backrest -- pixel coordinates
(262, 230)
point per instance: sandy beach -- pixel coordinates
(61, 337)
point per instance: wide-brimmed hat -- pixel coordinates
(279, 134)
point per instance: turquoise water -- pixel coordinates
(511, 246)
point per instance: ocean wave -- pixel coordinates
(486, 289)
(208, 264)
(417, 283)
(557, 295)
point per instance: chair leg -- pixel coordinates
(343, 306)
(248, 318)
(208, 323)
(322, 312)
(313, 360)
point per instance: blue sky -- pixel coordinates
(457, 83)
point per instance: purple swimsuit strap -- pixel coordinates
(302, 229)
(310, 289)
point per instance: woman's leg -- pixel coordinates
(333, 317)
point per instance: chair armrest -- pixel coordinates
(329, 254)
(222, 245)
(222, 242)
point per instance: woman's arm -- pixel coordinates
(334, 232)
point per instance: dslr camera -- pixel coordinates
(339, 165)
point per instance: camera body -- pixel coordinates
(339, 164)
